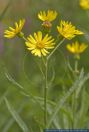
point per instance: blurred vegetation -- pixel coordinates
(21, 85)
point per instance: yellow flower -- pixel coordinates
(67, 30)
(76, 48)
(47, 18)
(84, 4)
(12, 32)
(38, 45)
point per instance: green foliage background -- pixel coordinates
(21, 85)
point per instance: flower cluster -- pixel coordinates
(39, 44)
(42, 44)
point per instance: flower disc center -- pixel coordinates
(40, 45)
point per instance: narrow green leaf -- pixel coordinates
(11, 120)
(12, 80)
(82, 114)
(16, 116)
(68, 113)
(36, 98)
(78, 83)
(55, 121)
(3, 96)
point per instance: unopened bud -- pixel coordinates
(21, 35)
(47, 24)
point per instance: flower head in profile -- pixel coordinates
(77, 48)
(39, 45)
(84, 4)
(67, 30)
(47, 17)
(12, 32)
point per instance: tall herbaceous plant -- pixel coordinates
(42, 44)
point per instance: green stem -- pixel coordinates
(45, 94)
(76, 66)
(46, 83)
(24, 38)
(55, 49)
(21, 35)
(73, 109)
(74, 101)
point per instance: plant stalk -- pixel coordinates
(45, 94)
(74, 101)
(55, 49)
(46, 82)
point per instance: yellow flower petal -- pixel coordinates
(12, 32)
(67, 30)
(39, 46)
(47, 16)
(84, 4)
(76, 48)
